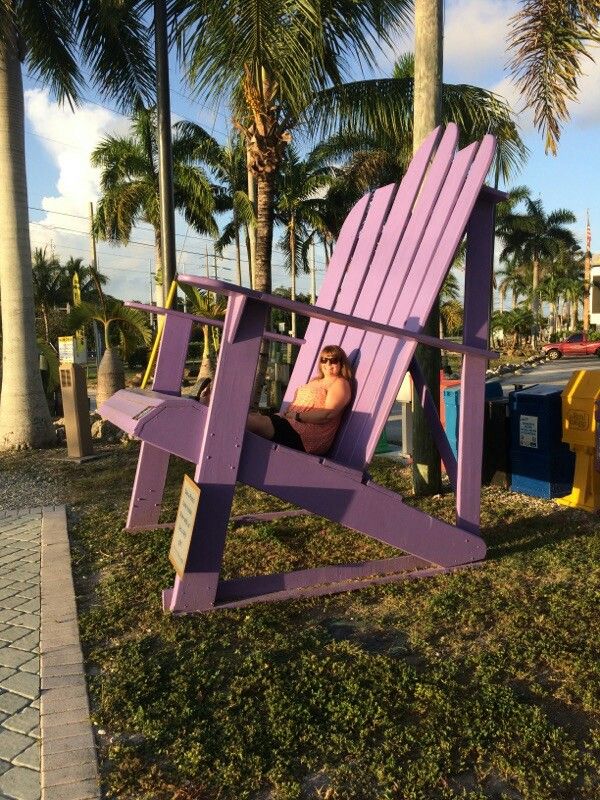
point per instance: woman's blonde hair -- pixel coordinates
(334, 351)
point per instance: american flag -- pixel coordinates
(588, 235)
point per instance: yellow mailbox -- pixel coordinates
(579, 432)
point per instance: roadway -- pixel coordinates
(556, 373)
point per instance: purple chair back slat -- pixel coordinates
(304, 366)
(352, 439)
(351, 260)
(431, 263)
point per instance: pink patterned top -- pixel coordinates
(316, 438)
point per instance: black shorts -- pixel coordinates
(285, 434)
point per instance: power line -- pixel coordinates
(244, 261)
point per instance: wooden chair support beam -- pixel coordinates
(388, 266)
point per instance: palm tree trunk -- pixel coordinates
(251, 229)
(502, 294)
(24, 414)
(535, 301)
(207, 366)
(46, 323)
(161, 293)
(248, 254)
(293, 269)
(262, 263)
(426, 473)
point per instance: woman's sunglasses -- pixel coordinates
(329, 360)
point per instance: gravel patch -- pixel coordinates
(29, 479)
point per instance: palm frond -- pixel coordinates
(549, 41)
(49, 34)
(116, 46)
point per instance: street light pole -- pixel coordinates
(165, 154)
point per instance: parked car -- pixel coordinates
(576, 345)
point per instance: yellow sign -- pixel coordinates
(69, 351)
(184, 525)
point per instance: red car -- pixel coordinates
(576, 345)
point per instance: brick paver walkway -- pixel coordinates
(43, 693)
(20, 538)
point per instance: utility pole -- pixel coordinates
(586, 275)
(98, 342)
(165, 153)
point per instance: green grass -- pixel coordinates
(481, 684)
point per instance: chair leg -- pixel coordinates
(219, 457)
(148, 487)
(470, 444)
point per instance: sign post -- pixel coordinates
(73, 387)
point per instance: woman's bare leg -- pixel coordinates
(258, 423)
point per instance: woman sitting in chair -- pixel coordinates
(312, 419)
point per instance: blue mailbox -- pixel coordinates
(493, 390)
(542, 466)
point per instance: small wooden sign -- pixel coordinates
(184, 524)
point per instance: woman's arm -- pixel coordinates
(336, 400)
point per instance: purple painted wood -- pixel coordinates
(172, 353)
(169, 422)
(338, 588)
(390, 261)
(216, 323)
(231, 289)
(478, 284)
(366, 507)
(148, 487)
(431, 262)
(241, 588)
(348, 269)
(220, 451)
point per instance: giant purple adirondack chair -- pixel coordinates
(388, 266)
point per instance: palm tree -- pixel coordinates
(129, 183)
(228, 165)
(372, 121)
(88, 277)
(269, 58)
(124, 329)
(50, 284)
(534, 237)
(298, 208)
(110, 39)
(513, 279)
(451, 317)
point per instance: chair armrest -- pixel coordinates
(216, 323)
(221, 287)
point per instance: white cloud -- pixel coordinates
(523, 115)
(69, 137)
(475, 32)
(586, 112)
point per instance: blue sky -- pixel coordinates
(62, 183)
